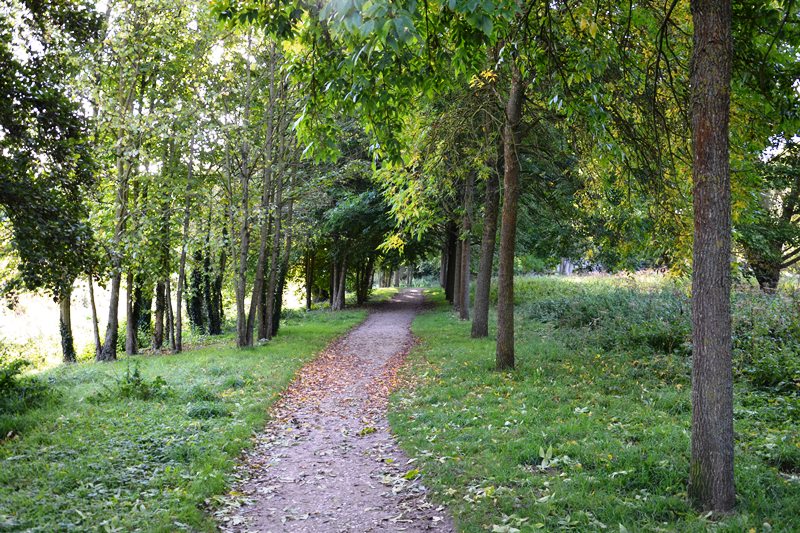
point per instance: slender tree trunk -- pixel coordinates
(158, 328)
(466, 248)
(284, 265)
(273, 263)
(244, 339)
(170, 315)
(450, 281)
(483, 283)
(95, 323)
(458, 289)
(309, 278)
(711, 485)
(65, 324)
(508, 230)
(184, 244)
(131, 347)
(443, 267)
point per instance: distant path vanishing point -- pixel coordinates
(327, 461)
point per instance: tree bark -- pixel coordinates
(466, 248)
(483, 283)
(184, 243)
(458, 288)
(711, 483)
(95, 323)
(170, 315)
(131, 344)
(508, 230)
(450, 278)
(65, 324)
(158, 328)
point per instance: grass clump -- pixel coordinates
(133, 386)
(591, 431)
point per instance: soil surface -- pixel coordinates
(328, 462)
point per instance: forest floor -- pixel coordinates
(327, 462)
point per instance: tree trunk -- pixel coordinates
(309, 278)
(265, 331)
(109, 350)
(170, 315)
(466, 248)
(458, 288)
(284, 266)
(131, 325)
(443, 267)
(450, 281)
(508, 230)
(158, 328)
(65, 324)
(711, 484)
(95, 323)
(483, 283)
(184, 244)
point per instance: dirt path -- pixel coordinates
(327, 462)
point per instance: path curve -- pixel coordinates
(328, 462)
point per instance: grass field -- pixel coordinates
(591, 431)
(117, 450)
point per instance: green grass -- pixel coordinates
(580, 437)
(93, 459)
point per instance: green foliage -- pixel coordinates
(129, 464)
(133, 386)
(19, 393)
(579, 437)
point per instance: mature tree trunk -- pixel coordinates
(483, 283)
(508, 230)
(451, 245)
(711, 485)
(466, 248)
(340, 279)
(95, 323)
(65, 324)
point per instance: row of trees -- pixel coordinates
(153, 149)
(207, 154)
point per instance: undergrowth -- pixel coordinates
(591, 431)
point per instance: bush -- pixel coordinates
(18, 393)
(656, 319)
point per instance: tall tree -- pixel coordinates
(711, 484)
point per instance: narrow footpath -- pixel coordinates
(327, 462)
